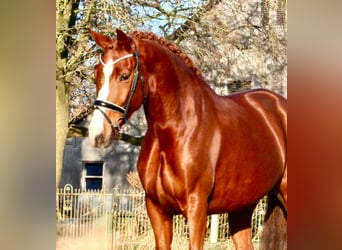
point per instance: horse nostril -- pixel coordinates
(99, 139)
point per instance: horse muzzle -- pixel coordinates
(102, 130)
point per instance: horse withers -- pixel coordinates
(202, 153)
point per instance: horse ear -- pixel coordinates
(124, 41)
(101, 40)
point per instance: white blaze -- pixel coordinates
(96, 126)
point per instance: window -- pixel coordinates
(92, 175)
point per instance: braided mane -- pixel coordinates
(172, 47)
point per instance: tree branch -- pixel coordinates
(80, 131)
(189, 24)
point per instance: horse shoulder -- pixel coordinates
(148, 162)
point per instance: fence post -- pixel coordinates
(114, 216)
(68, 191)
(214, 228)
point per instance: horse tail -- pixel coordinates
(274, 232)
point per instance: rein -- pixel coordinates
(117, 108)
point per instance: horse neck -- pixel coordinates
(175, 91)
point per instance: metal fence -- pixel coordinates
(118, 220)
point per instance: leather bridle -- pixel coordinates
(117, 108)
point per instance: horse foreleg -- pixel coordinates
(197, 219)
(240, 228)
(161, 225)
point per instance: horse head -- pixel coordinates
(117, 95)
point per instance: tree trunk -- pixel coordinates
(65, 19)
(62, 109)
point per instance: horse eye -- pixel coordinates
(124, 77)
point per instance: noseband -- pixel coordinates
(117, 108)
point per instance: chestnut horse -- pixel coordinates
(202, 153)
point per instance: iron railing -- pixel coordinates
(96, 220)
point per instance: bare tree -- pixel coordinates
(240, 45)
(65, 20)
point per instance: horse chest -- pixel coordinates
(169, 185)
